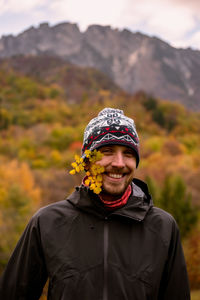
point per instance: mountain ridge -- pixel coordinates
(134, 61)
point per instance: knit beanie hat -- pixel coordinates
(111, 127)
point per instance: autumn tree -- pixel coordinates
(174, 198)
(19, 198)
(192, 255)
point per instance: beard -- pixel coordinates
(115, 188)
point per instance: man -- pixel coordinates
(114, 245)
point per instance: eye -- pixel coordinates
(129, 153)
(106, 150)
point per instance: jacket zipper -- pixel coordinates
(105, 260)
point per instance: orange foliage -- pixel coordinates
(192, 254)
(77, 145)
(20, 174)
(19, 199)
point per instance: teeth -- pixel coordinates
(115, 175)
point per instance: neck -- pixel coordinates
(112, 202)
(109, 197)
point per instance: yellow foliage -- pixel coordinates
(55, 156)
(154, 143)
(19, 174)
(26, 154)
(39, 164)
(19, 199)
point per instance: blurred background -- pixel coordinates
(61, 62)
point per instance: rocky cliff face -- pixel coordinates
(134, 61)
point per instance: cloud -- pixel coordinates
(88, 12)
(191, 4)
(175, 21)
(192, 40)
(13, 6)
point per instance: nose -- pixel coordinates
(118, 160)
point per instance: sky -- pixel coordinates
(175, 21)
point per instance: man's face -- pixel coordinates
(120, 164)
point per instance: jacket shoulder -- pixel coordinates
(60, 207)
(54, 214)
(159, 215)
(162, 223)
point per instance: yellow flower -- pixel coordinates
(77, 169)
(92, 186)
(81, 168)
(99, 177)
(87, 182)
(72, 172)
(94, 177)
(87, 153)
(97, 190)
(77, 158)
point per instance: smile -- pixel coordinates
(113, 175)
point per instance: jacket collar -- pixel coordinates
(137, 207)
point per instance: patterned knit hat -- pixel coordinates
(111, 127)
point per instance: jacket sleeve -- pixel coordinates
(25, 274)
(175, 284)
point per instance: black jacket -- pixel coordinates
(133, 253)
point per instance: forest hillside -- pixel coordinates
(46, 103)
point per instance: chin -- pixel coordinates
(113, 191)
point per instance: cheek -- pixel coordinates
(104, 161)
(132, 166)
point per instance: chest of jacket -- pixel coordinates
(91, 256)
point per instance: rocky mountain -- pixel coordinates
(132, 60)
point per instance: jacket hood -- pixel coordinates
(137, 207)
